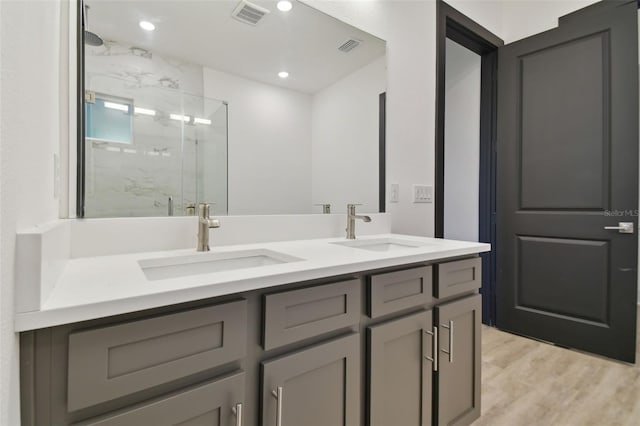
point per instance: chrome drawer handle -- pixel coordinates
(450, 351)
(277, 394)
(237, 410)
(434, 347)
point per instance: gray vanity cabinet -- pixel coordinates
(318, 386)
(386, 347)
(400, 371)
(458, 384)
(216, 403)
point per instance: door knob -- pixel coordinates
(623, 227)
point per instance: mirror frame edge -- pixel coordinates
(80, 124)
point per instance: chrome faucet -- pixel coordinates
(204, 223)
(351, 220)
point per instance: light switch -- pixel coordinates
(394, 193)
(422, 193)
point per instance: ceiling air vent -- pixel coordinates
(349, 45)
(249, 13)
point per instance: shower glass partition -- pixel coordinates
(152, 151)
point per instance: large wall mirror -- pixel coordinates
(257, 108)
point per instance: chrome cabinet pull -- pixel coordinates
(237, 410)
(450, 351)
(434, 347)
(623, 227)
(277, 394)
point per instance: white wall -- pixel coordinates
(524, 18)
(344, 139)
(513, 20)
(462, 143)
(409, 29)
(32, 63)
(487, 13)
(264, 122)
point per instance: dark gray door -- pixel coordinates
(400, 372)
(568, 168)
(319, 386)
(458, 384)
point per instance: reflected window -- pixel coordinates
(109, 119)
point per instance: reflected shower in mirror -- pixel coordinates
(242, 105)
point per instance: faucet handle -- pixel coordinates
(203, 209)
(326, 208)
(351, 208)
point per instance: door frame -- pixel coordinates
(456, 26)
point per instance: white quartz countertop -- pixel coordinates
(96, 287)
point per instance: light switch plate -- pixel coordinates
(394, 193)
(422, 193)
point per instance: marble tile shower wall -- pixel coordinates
(166, 158)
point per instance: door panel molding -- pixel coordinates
(550, 282)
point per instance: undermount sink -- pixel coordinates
(206, 263)
(382, 244)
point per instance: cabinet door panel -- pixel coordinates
(400, 373)
(210, 404)
(459, 368)
(320, 385)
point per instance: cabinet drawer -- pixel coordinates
(394, 291)
(300, 314)
(114, 361)
(214, 403)
(458, 277)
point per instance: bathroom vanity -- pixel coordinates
(383, 330)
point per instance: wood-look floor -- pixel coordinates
(526, 382)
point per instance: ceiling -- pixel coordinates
(303, 41)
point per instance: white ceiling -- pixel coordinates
(303, 42)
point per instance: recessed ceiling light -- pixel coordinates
(283, 74)
(284, 5)
(146, 25)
